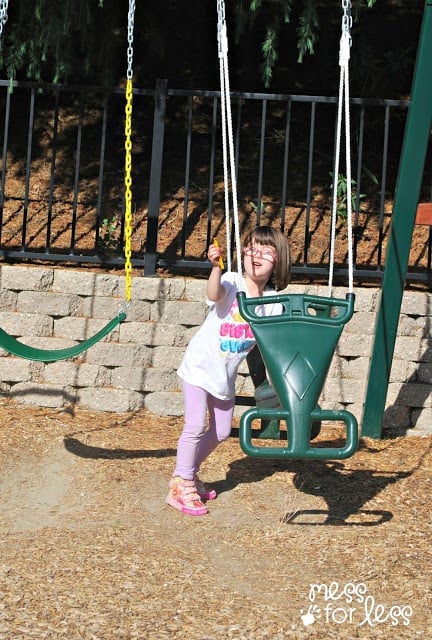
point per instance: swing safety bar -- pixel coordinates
(299, 435)
(297, 346)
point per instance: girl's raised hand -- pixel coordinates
(214, 254)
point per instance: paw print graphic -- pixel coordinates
(311, 615)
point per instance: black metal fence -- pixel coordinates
(62, 177)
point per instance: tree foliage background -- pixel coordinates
(288, 46)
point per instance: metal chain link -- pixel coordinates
(3, 15)
(220, 5)
(345, 40)
(130, 39)
(128, 157)
(346, 17)
(221, 27)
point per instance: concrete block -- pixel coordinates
(356, 408)
(356, 368)
(117, 355)
(421, 422)
(8, 300)
(16, 369)
(166, 358)
(416, 303)
(26, 324)
(109, 285)
(150, 288)
(76, 375)
(424, 372)
(410, 394)
(244, 386)
(81, 328)
(403, 371)
(23, 278)
(47, 303)
(354, 345)
(177, 290)
(139, 311)
(110, 399)
(408, 348)
(154, 334)
(366, 300)
(187, 313)
(396, 417)
(425, 350)
(343, 390)
(165, 403)
(409, 326)
(105, 308)
(128, 377)
(145, 379)
(195, 290)
(93, 376)
(361, 323)
(42, 395)
(68, 281)
(5, 390)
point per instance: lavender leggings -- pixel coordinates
(196, 441)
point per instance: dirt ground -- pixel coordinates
(290, 549)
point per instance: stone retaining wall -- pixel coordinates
(135, 366)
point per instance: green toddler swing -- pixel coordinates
(297, 346)
(10, 343)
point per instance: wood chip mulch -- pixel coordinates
(290, 549)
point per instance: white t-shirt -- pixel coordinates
(214, 354)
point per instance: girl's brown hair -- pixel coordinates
(271, 237)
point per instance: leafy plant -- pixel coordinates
(108, 234)
(342, 196)
(275, 15)
(254, 206)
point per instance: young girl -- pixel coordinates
(209, 367)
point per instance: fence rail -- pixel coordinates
(61, 197)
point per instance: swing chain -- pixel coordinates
(130, 38)
(3, 15)
(128, 158)
(345, 41)
(221, 30)
(347, 18)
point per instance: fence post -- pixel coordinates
(150, 257)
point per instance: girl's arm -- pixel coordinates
(215, 290)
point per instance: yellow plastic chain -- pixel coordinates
(128, 193)
(128, 158)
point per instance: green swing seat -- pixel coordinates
(17, 348)
(297, 347)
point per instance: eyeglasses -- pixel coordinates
(266, 254)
